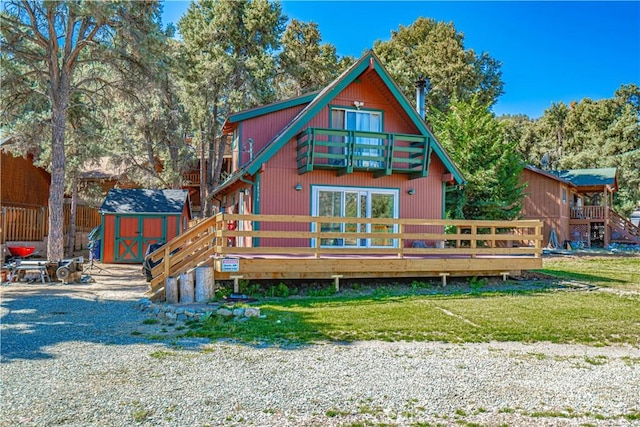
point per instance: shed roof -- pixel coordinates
(144, 201)
(590, 177)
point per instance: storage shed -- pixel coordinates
(132, 219)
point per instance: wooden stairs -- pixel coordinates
(622, 230)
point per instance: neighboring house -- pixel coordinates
(23, 183)
(24, 197)
(577, 204)
(132, 219)
(358, 148)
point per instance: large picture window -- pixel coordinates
(355, 203)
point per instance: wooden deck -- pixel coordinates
(258, 247)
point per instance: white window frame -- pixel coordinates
(315, 198)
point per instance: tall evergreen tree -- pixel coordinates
(305, 63)
(476, 142)
(227, 63)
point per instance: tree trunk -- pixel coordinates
(71, 237)
(203, 177)
(60, 101)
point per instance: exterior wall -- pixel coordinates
(544, 201)
(23, 184)
(261, 130)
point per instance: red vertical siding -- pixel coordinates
(262, 129)
(544, 201)
(108, 241)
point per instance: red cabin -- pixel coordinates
(358, 148)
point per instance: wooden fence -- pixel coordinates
(19, 224)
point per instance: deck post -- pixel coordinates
(444, 278)
(504, 274)
(336, 281)
(236, 284)
(205, 284)
(401, 241)
(171, 290)
(186, 287)
(493, 235)
(316, 254)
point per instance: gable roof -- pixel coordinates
(145, 201)
(590, 177)
(323, 98)
(549, 174)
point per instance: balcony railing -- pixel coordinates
(347, 151)
(588, 212)
(191, 178)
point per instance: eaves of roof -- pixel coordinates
(549, 174)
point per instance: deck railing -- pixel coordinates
(192, 178)
(233, 234)
(588, 212)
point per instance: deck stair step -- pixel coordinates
(629, 231)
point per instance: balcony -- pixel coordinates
(347, 151)
(191, 179)
(588, 212)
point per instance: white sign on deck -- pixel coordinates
(230, 265)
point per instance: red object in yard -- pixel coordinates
(21, 251)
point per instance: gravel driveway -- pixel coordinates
(80, 355)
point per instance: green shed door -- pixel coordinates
(134, 234)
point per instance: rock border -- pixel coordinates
(185, 312)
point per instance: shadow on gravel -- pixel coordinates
(32, 322)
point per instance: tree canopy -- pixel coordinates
(435, 50)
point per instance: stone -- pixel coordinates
(182, 317)
(252, 312)
(171, 315)
(224, 312)
(190, 312)
(156, 310)
(180, 310)
(238, 312)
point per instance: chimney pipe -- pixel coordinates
(422, 85)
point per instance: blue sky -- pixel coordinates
(550, 51)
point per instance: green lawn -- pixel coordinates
(619, 272)
(560, 316)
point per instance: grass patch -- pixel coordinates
(593, 318)
(150, 321)
(162, 354)
(559, 317)
(614, 272)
